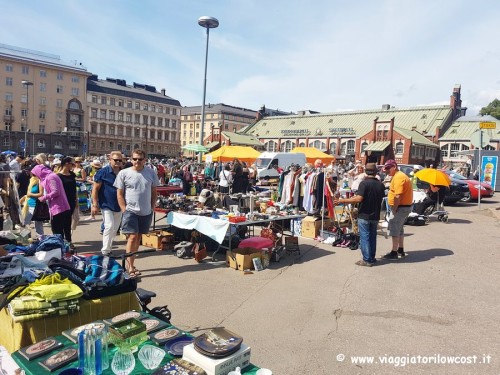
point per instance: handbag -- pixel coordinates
(41, 211)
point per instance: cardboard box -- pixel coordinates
(158, 239)
(241, 259)
(312, 225)
(221, 366)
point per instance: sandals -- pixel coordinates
(134, 273)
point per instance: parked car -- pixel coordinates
(458, 190)
(474, 186)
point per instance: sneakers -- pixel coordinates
(363, 263)
(394, 255)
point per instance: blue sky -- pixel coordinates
(324, 55)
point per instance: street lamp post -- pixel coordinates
(26, 84)
(208, 23)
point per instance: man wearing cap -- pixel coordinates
(104, 197)
(207, 199)
(400, 199)
(369, 194)
(136, 193)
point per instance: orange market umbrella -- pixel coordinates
(229, 153)
(433, 176)
(312, 154)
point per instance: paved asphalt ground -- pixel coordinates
(317, 312)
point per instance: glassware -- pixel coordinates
(123, 362)
(151, 356)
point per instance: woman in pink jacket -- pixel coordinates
(55, 196)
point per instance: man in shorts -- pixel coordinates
(136, 193)
(400, 199)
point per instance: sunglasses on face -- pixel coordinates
(137, 159)
(117, 160)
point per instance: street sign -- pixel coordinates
(21, 143)
(476, 139)
(487, 125)
(84, 147)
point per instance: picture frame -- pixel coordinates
(257, 264)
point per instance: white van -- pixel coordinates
(267, 162)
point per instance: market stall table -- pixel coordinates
(17, 335)
(33, 367)
(217, 229)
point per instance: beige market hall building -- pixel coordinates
(408, 135)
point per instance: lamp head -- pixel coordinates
(208, 22)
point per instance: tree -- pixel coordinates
(492, 109)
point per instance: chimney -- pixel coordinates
(163, 92)
(386, 107)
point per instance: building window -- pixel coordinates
(153, 121)
(145, 119)
(288, 146)
(94, 98)
(43, 87)
(43, 73)
(43, 100)
(41, 143)
(104, 100)
(160, 122)
(129, 104)
(145, 107)
(59, 103)
(129, 117)
(24, 112)
(93, 113)
(167, 110)
(174, 111)
(41, 129)
(137, 105)
(333, 147)
(350, 147)
(60, 76)
(103, 114)
(59, 116)
(24, 98)
(364, 145)
(271, 146)
(399, 148)
(8, 81)
(112, 115)
(174, 124)
(111, 130)
(319, 145)
(153, 108)
(59, 89)
(454, 148)
(8, 96)
(111, 101)
(25, 70)
(120, 116)
(120, 103)
(111, 145)
(101, 145)
(73, 146)
(58, 145)
(75, 91)
(167, 123)
(137, 119)
(9, 68)
(75, 79)
(42, 115)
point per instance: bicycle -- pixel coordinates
(144, 297)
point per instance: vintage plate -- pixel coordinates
(176, 346)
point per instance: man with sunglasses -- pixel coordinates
(136, 192)
(400, 199)
(104, 197)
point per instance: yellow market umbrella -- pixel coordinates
(228, 153)
(433, 176)
(312, 154)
